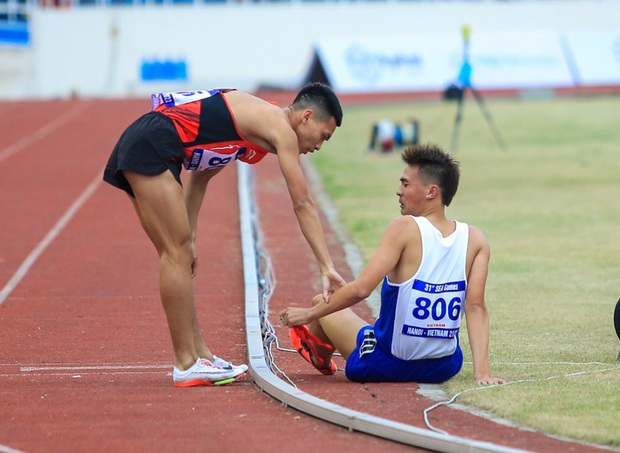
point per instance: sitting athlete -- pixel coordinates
(204, 131)
(433, 269)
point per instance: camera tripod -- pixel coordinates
(458, 90)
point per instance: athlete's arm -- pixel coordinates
(285, 142)
(271, 128)
(397, 236)
(476, 313)
(195, 189)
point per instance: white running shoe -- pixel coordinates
(227, 365)
(203, 372)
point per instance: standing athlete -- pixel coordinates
(204, 131)
(434, 271)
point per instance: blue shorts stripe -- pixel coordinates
(380, 366)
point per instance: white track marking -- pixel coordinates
(5, 449)
(47, 240)
(78, 375)
(42, 132)
(79, 370)
(27, 264)
(28, 369)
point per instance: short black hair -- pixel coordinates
(435, 166)
(321, 98)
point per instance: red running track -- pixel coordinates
(85, 358)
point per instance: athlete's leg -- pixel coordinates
(161, 209)
(200, 347)
(195, 188)
(339, 329)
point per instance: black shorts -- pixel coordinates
(149, 146)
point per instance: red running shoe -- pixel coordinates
(302, 342)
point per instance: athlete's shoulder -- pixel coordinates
(242, 103)
(476, 233)
(477, 239)
(243, 96)
(404, 227)
(404, 221)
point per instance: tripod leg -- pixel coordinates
(488, 117)
(457, 121)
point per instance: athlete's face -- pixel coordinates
(412, 192)
(313, 132)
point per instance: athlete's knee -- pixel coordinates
(181, 254)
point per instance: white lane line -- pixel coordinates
(47, 240)
(82, 374)
(42, 132)
(77, 371)
(6, 449)
(28, 369)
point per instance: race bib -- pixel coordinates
(209, 159)
(434, 310)
(180, 97)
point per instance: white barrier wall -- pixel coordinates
(99, 51)
(499, 60)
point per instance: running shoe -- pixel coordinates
(217, 361)
(203, 372)
(303, 342)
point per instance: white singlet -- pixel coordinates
(421, 317)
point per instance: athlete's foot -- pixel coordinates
(325, 351)
(313, 350)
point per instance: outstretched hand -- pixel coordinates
(488, 380)
(331, 282)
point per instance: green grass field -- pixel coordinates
(549, 203)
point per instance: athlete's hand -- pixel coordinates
(488, 380)
(294, 316)
(331, 282)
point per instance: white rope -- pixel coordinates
(267, 285)
(521, 381)
(547, 363)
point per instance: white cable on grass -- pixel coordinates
(521, 381)
(545, 363)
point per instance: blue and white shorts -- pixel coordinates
(369, 363)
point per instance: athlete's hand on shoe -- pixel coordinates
(294, 316)
(331, 282)
(488, 380)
